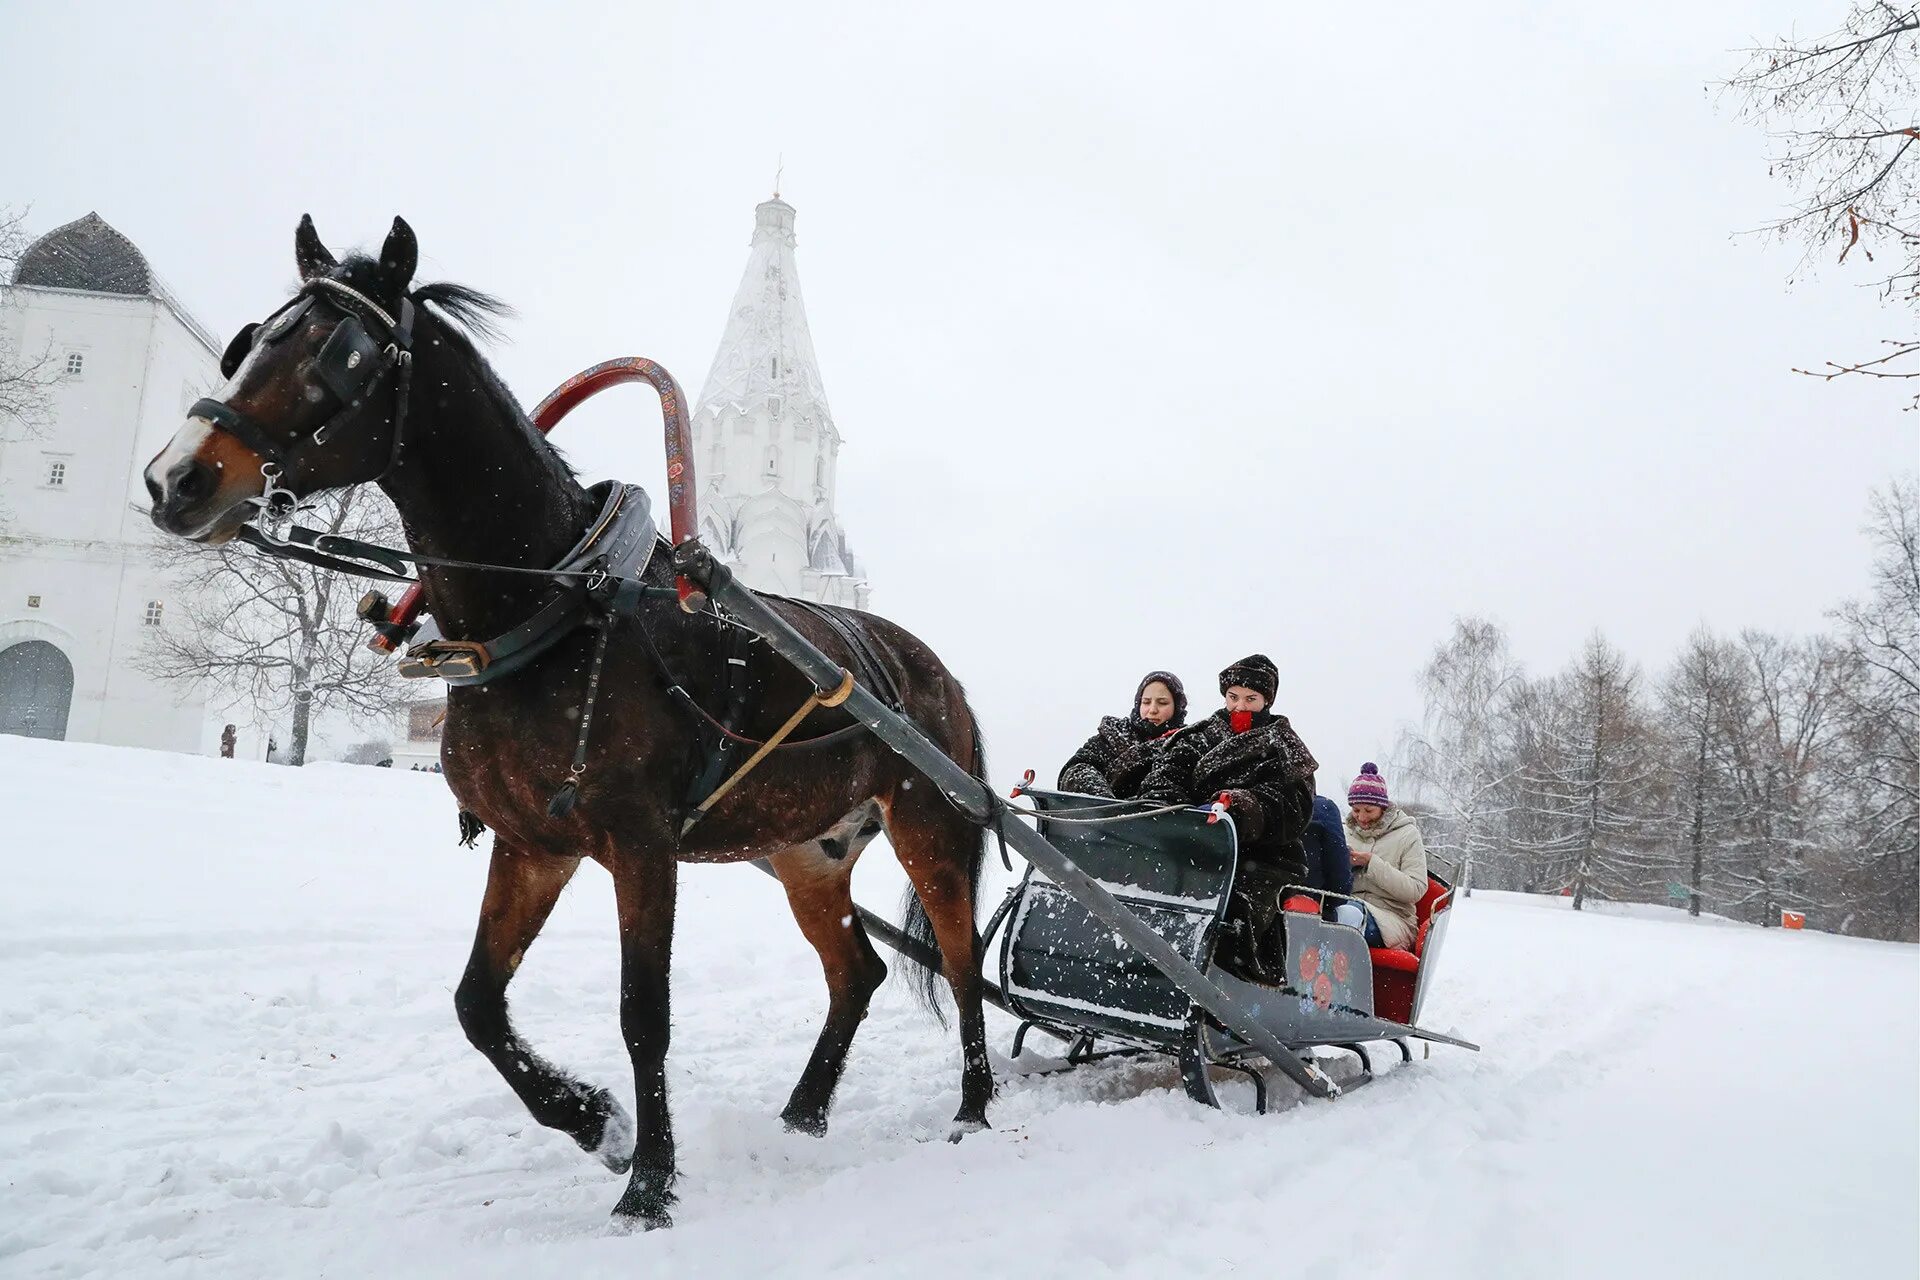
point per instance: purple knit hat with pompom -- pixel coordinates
(1369, 787)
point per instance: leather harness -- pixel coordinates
(617, 546)
(600, 578)
(350, 365)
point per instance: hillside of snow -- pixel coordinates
(228, 1048)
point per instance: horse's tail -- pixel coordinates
(928, 982)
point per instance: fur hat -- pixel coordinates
(1255, 672)
(1178, 690)
(1369, 787)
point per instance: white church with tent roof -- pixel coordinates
(766, 450)
(79, 589)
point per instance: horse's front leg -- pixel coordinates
(644, 885)
(521, 890)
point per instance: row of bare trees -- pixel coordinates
(1755, 773)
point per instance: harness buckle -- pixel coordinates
(445, 658)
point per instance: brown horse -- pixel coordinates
(313, 402)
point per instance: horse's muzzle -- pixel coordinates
(181, 493)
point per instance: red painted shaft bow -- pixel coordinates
(679, 440)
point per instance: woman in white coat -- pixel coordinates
(1389, 864)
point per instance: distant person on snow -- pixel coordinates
(1266, 772)
(1389, 864)
(1115, 760)
(1329, 864)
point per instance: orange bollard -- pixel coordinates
(1793, 919)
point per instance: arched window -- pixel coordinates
(773, 461)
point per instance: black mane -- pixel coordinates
(468, 314)
(472, 310)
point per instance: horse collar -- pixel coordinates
(617, 546)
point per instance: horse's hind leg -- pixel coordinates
(940, 852)
(818, 877)
(521, 891)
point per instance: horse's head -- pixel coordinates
(314, 398)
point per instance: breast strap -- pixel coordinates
(619, 543)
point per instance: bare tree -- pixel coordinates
(1780, 763)
(1457, 760)
(1880, 712)
(1843, 113)
(1705, 709)
(281, 635)
(1587, 777)
(26, 376)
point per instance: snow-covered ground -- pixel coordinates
(228, 1048)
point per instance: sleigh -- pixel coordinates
(1066, 973)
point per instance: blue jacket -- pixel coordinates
(1329, 865)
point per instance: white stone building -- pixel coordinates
(79, 590)
(766, 451)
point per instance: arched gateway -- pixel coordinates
(36, 690)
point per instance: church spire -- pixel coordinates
(764, 438)
(767, 349)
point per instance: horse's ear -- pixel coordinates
(399, 256)
(308, 252)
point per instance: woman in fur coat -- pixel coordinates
(1256, 759)
(1115, 760)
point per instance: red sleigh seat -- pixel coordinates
(1396, 971)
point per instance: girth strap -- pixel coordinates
(816, 699)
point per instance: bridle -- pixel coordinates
(350, 367)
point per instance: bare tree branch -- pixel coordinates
(1842, 112)
(278, 634)
(27, 374)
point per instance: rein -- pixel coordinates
(597, 588)
(314, 547)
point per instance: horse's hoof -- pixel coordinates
(811, 1123)
(625, 1224)
(614, 1148)
(961, 1128)
(642, 1213)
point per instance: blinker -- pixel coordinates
(346, 362)
(272, 329)
(236, 352)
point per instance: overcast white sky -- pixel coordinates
(1157, 334)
